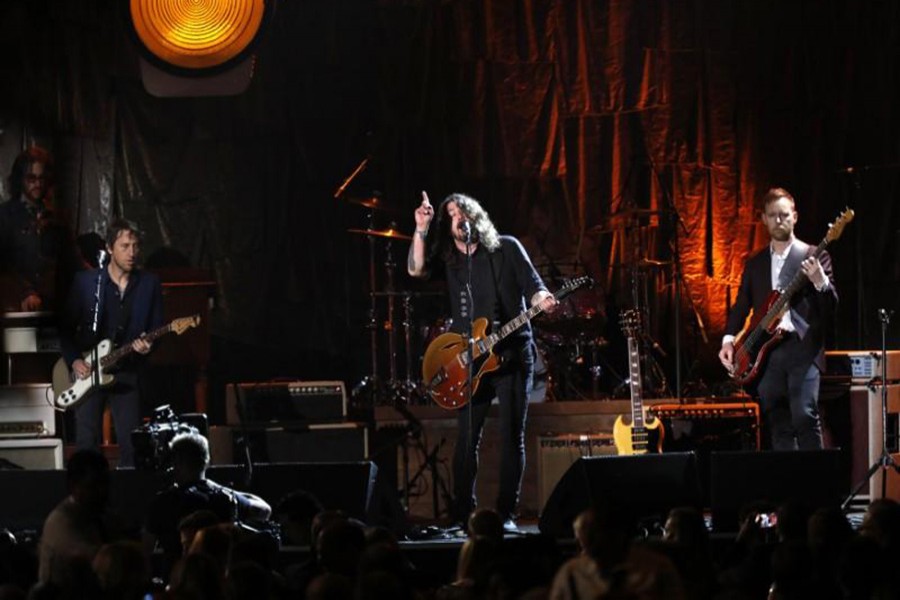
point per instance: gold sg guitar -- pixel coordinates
(637, 434)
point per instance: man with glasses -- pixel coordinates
(38, 257)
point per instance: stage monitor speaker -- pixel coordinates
(37, 453)
(636, 487)
(556, 453)
(738, 479)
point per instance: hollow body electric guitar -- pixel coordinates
(445, 365)
(762, 334)
(637, 434)
(69, 391)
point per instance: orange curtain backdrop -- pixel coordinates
(696, 107)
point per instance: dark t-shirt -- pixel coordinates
(503, 283)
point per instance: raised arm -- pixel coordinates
(415, 262)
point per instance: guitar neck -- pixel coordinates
(793, 287)
(120, 353)
(514, 325)
(634, 372)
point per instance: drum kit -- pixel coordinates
(391, 318)
(570, 341)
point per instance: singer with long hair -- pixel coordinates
(503, 284)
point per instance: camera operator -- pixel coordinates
(192, 491)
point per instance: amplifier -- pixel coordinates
(41, 454)
(861, 366)
(557, 452)
(709, 426)
(285, 403)
(26, 411)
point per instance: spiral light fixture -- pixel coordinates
(197, 35)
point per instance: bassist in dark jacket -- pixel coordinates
(789, 384)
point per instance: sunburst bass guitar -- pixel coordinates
(637, 434)
(445, 365)
(762, 334)
(69, 391)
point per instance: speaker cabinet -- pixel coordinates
(556, 453)
(875, 438)
(636, 487)
(339, 442)
(40, 453)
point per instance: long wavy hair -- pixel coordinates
(21, 165)
(483, 230)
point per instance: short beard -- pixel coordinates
(780, 235)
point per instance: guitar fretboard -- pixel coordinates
(513, 325)
(638, 433)
(119, 353)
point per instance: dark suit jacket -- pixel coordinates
(811, 311)
(144, 292)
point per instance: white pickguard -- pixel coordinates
(72, 395)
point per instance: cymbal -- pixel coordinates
(627, 219)
(391, 234)
(373, 202)
(644, 263)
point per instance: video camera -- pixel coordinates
(151, 441)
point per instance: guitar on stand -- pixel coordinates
(639, 434)
(762, 334)
(445, 365)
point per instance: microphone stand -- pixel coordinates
(95, 321)
(471, 362)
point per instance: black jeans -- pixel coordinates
(511, 384)
(124, 403)
(789, 397)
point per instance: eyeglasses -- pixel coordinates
(32, 178)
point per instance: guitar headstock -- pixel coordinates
(837, 228)
(573, 284)
(179, 326)
(630, 321)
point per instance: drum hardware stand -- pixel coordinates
(414, 436)
(371, 381)
(885, 461)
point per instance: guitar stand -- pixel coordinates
(885, 461)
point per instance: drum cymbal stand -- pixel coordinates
(365, 394)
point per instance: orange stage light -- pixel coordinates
(197, 35)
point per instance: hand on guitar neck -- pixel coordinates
(82, 370)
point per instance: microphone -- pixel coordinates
(466, 229)
(101, 258)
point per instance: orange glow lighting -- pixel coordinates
(197, 34)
